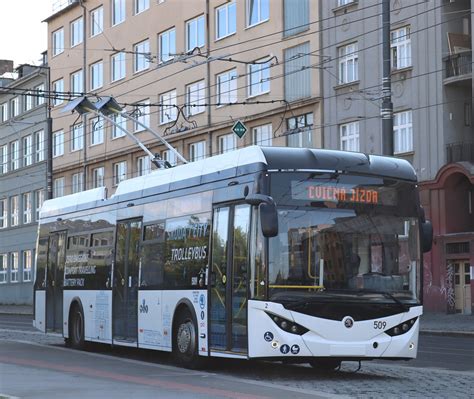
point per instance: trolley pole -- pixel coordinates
(387, 105)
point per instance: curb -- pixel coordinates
(468, 334)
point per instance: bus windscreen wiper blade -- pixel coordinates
(387, 295)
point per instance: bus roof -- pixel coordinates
(233, 164)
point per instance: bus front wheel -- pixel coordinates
(76, 328)
(185, 343)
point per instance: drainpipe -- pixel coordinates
(208, 77)
(84, 89)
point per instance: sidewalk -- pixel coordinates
(431, 323)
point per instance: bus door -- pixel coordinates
(228, 288)
(125, 281)
(54, 281)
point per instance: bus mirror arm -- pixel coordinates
(268, 213)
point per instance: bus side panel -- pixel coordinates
(40, 310)
(170, 300)
(266, 339)
(97, 307)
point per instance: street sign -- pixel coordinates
(239, 129)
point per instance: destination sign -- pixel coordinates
(321, 192)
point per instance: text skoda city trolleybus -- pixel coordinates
(300, 255)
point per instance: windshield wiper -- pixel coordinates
(387, 295)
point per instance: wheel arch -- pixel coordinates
(183, 304)
(76, 301)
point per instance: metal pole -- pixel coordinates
(387, 105)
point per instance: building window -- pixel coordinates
(77, 137)
(195, 35)
(402, 132)
(300, 130)
(58, 187)
(400, 44)
(341, 3)
(15, 106)
(141, 56)
(349, 134)
(227, 87)
(167, 48)
(27, 208)
(120, 172)
(28, 101)
(4, 159)
(39, 94)
(225, 20)
(27, 265)
(143, 165)
(348, 63)
(3, 268)
(170, 157)
(259, 78)
(13, 267)
(227, 143)
(296, 17)
(77, 182)
(168, 109)
(142, 115)
(120, 123)
(39, 146)
(15, 154)
(141, 5)
(14, 210)
(257, 11)
(195, 98)
(118, 11)
(58, 144)
(118, 66)
(4, 112)
(58, 41)
(97, 21)
(262, 135)
(27, 150)
(3, 213)
(297, 72)
(58, 89)
(98, 177)
(77, 27)
(97, 130)
(76, 82)
(97, 75)
(39, 199)
(197, 151)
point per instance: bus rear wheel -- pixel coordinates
(76, 338)
(325, 365)
(185, 342)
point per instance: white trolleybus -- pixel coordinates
(301, 255)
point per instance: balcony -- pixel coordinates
(458, 152)
(458, 68)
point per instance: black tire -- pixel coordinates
(325, 365)
(76, 338)
(185, 341)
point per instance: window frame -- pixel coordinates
(98, 179)
(39, 200)
(351, 140)
(403, 133)
(168, 101)
(14, 267)
(27, 146)
(97, 134)
(171, 45)
(58, 145)
(196, 32)
(231, 91)
(77, 137)
(223, 143)
(140, 61)
(261, 68)
(258, 130)
(76, 29)
(259, 8)
(143, 165)
(118, 17)
(77, 82)
(27, 207)
(195, 106)
(142, 113)
(96, 27)
(15, 155)
(39, 145)
(348, 60)
(14, 210)
(96, 75)
(4, 160)
(27, 264)
(136, 6)
(120, 172)
(117, 60)
(397, 44)
(77, 182)
(4, 213)
(3, 268)
(58, 187)
(193, 147)
(225, 7)
(58, 100)
(57, 45)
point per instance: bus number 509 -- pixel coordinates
(380, 325)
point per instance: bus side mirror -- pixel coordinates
(268, 213)
(269, 219)
(426, 235)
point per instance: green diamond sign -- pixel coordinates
(239, 129)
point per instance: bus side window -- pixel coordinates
(152, 257)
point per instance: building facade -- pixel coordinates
(23, 159)
(432, 86)
(187, 69)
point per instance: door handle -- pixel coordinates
(224, 279)
(123, 282)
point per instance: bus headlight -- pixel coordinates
(401, 328)
(287, 325)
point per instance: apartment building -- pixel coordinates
(187, 69)
(432, 86)
(23, 153)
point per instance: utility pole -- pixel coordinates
(387, 105)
